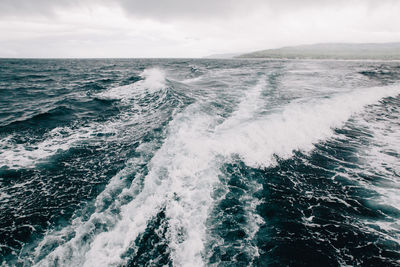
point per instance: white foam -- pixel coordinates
(60, 139)
(247, 108)
(192, 80)
(185, 169)
(72, 252)
(153, 81)
(181, 178)
(249, 204)
(4, 197)
(380, 158)
(298, 127)
(21, 155)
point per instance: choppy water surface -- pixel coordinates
(199, 162)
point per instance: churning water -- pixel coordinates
(128, 162)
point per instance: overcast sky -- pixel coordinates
(186, 28)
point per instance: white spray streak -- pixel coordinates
(153, 81)
(298, 127)
(185, 169)
(183, 173)
(181, 179)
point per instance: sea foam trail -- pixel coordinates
(72, 252)
(180, 180)
(185, 169)
(16, 156)
(297, 127)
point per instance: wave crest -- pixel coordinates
(153, 80)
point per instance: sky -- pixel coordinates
(186, 28)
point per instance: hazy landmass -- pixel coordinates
(385, 51)
(226, 55)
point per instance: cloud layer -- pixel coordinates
(178, 28)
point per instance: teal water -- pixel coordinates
(199, 162)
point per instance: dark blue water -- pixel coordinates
(190, 162)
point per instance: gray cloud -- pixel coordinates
(11, 8)
(181, 9)
(178, 28)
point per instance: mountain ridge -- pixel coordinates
(387, 51)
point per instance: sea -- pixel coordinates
(199, 162)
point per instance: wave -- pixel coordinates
(140, 98)
(46, 118)
(152, 81)
(379, 158)
(297, 127)
(185, 170)
(15, 156)
(69, 245)
(180, 181)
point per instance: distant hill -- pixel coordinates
(227, 55)
(331, 51)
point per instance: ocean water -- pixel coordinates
(192, 162)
